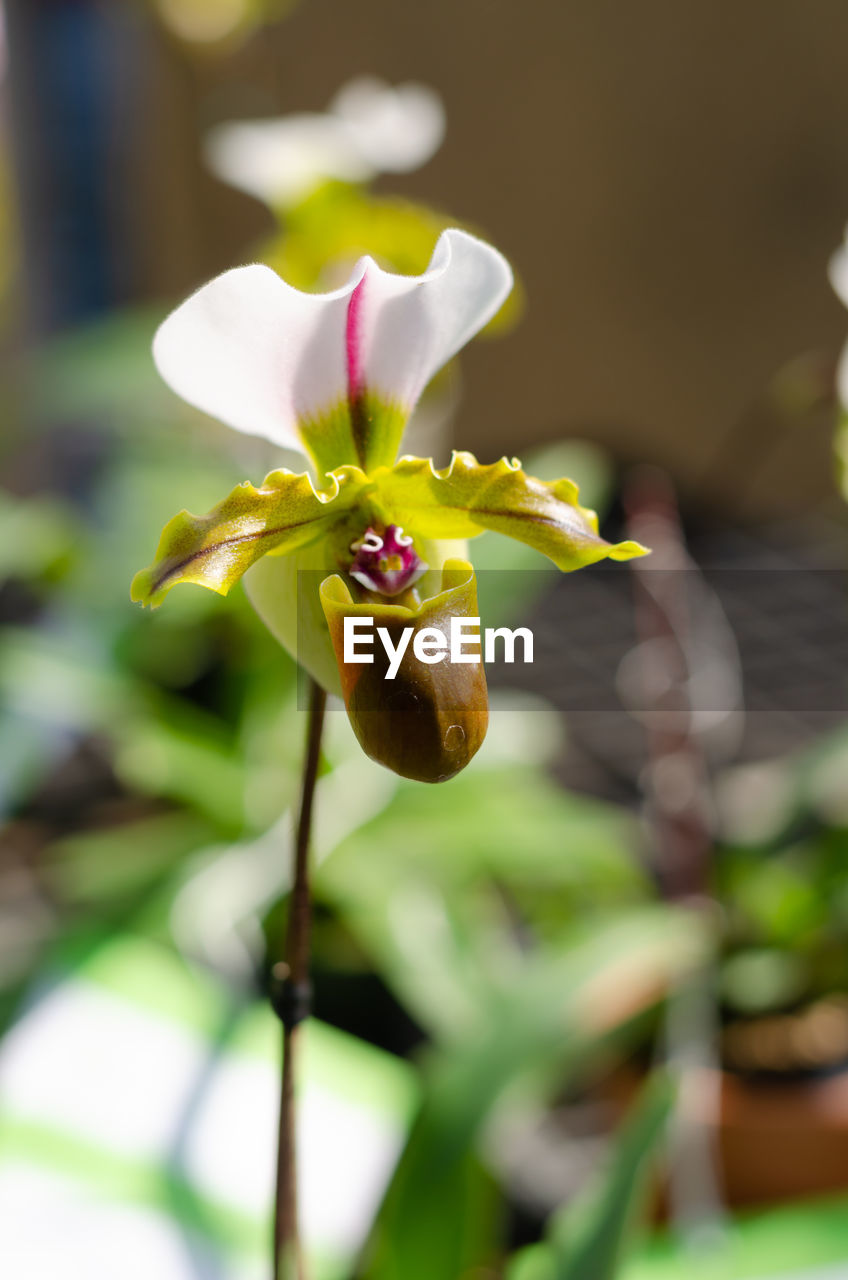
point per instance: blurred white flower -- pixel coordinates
(280, 161)
(369, 128)
(837, 270)
(398, 129)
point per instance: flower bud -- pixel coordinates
(428, 720)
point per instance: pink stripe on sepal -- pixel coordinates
(355, 361)
(353, 344)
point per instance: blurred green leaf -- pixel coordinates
(587, 1240)
(454, 1225)
(187, 762)
(440, 884)
(512, 822)
(163, 746)
(809, 1240)
(554, 1016)
(38, 536)
(820, 773)
(115, 864)
(762, 978)
(28, 748)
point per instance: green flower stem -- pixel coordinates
(288, 1255)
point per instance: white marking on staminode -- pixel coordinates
(369, 541)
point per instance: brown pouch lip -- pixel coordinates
(430, 720)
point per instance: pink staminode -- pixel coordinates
(386, 562)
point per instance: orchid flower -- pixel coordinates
(336, 376)
(369, 128)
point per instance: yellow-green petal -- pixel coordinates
(214, 550)
(466, 497)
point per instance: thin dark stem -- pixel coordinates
(292, 975)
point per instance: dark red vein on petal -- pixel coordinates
(236, 540)
(532, 516)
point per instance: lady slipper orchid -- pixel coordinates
(336, 376)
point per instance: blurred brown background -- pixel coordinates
(669, 179)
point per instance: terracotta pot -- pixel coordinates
(783, 1140)
(778, 1140)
